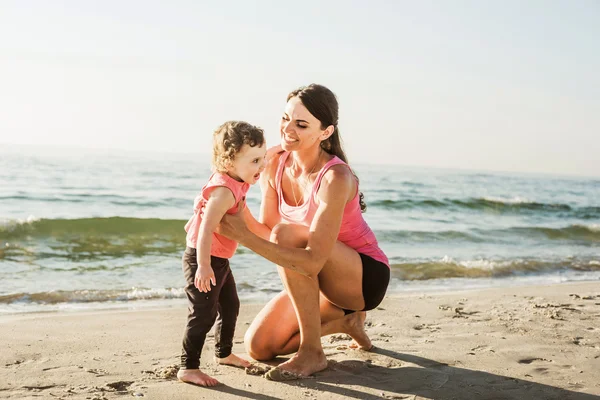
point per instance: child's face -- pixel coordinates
(248, 164)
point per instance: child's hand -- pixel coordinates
(204, 277)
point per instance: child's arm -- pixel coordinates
(256, 227)
(219, 201)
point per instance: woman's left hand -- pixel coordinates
(233, 226)
(273, 151)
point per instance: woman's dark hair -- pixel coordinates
(323, 105)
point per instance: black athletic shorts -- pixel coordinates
(376, 277)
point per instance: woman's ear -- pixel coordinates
(327, 132)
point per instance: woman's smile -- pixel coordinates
(289, 139)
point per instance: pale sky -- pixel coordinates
(486, 85)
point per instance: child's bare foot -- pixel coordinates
(196, 377)
(234, 360)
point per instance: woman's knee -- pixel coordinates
(288, 235)
(257, 347)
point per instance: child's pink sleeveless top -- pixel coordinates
(221, 246)
(354, 232)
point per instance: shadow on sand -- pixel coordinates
(430, 379)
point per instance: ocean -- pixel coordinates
(85, 230)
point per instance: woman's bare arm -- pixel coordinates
(269, 213)
(269, 207)
(336, 189)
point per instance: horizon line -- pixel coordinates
(176, 152)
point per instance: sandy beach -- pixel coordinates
(540, 342)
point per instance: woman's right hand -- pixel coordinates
(204, 277)
(234, 226)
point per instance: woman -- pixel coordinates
(311, 226)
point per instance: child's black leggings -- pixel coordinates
(220, 304)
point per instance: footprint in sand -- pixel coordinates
(541, 371)
(97, 371)
(459, 312)
(532, 359)
(536, 370)
(581, 341)
(40, 387)
(119, 386)
(481, 348)
(339, 338)
(430, 327)
(395, 396)
(169, 372)
(257, 369)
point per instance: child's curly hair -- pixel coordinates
(228, 140)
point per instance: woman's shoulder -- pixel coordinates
(338, 173)
(337, 180)
(336, 169)
(272, 166)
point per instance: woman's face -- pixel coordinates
(298, 128)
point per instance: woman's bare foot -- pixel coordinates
(233, 360)
(196, 377)
(305, 362)
(355, 327)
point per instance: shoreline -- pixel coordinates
(538, 341)
(397, 288)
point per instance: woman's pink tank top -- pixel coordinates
(221, 246)
(354, 232)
